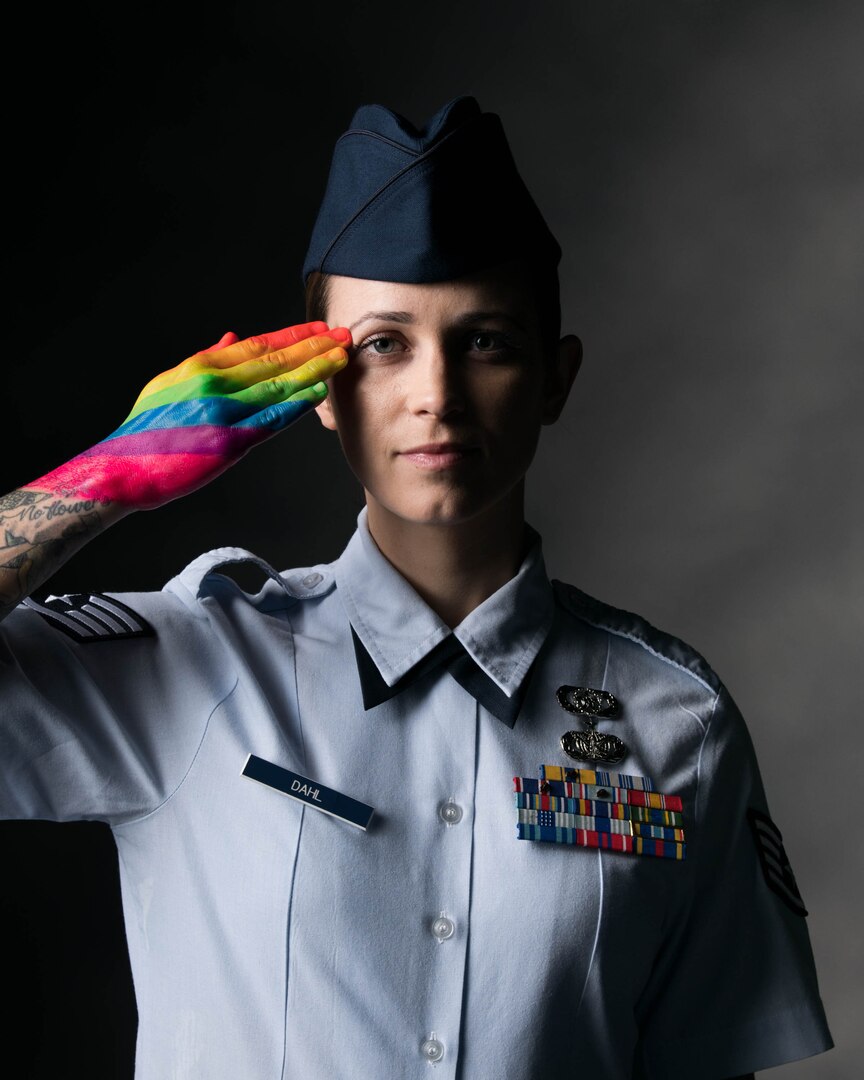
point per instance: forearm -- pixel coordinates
(39, 531)
(188, 425)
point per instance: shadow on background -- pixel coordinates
(70, 1004)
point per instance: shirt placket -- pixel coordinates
(444, 895)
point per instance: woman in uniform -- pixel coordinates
(420, 807)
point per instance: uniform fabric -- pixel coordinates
(429, 204)
(269, 940)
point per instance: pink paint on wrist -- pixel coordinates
(149, 468)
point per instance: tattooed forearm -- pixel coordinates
(39, 531)
(21, 498)
(51, 507)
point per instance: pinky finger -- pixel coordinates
(284, 413)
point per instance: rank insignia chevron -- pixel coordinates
(89, 617)
(775, 862)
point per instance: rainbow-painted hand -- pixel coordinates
(193, 422)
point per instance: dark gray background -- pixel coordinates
(701, 163)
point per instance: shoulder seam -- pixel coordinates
(572, 597)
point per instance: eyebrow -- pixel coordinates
(462, 320)
(384, 316)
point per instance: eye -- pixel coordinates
(382, 345)
(487, 341)
(492, 343)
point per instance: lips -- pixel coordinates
(442, 455)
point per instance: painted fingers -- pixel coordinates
(283, 374)
(313, 355)
(193, 422)
(259, 345)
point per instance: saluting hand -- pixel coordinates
(194, 421)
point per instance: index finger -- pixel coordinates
(288, 335)
(260, 344)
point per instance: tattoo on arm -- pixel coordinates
(16, 499)
(38, 532)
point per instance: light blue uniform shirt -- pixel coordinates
(270, 940)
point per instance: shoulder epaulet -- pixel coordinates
(294, 584)
(90, 617)
(634, 628)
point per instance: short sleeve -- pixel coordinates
(105, 728)
(735, 989)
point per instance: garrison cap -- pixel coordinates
(425, 204)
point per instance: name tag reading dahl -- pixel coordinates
(308, 791)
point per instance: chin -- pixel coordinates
(451, 508)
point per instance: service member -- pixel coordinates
(421, 808)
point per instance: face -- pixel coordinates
(440, 406)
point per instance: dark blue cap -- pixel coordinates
(429, 204)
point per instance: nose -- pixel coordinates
(435, 383)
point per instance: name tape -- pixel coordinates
(308, 791)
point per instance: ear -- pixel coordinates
(325, 414)
(559, 377)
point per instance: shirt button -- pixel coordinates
(311, 580)
(443, 928)
(432, 1050)
(450, 812)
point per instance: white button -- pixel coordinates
(443, 928)
(450, 812)
(311, 580)
(432, 1049)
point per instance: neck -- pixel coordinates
(454, 567)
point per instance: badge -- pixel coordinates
(590, 744)
(597, 809)
(308, 791)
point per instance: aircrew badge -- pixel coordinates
(598, 809)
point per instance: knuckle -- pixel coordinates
(315, 344)
(191, 366)
(316, 367)
(278, 387)
(273, 362)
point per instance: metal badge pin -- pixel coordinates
(590, 744)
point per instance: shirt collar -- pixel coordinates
(398, 628)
